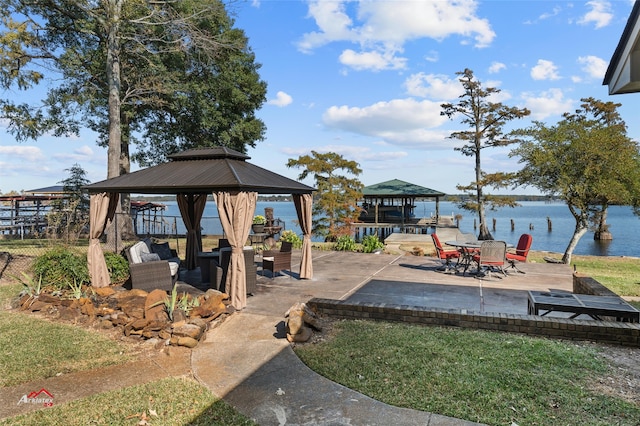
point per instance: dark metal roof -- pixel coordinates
(397, 188)
(624, 40)
(202, 170)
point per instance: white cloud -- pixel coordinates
(433, 56)
(555, 11)
(600, 14)
(383, 27)
(593, 66)
(362, 153)
(439, 87)
(282, 99)
(547, 103)
(404, 122)
(84, 150)
(22, 153)
(496, 67)
(375, 61)
(545, 70)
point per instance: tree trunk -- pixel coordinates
(579, 231)
(484, 230)
(125, 226)
(602, 232)
(114, 150)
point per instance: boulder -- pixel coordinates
(212, 306)
(188, 330)
(298, 320)
(154, 307)
(187, 342)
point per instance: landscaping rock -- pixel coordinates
(187, 342)
(154, 307)
(188, 330)
(213, 305)
(298, 320)
(135, 313)
(104, 291)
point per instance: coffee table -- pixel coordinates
(578, 304)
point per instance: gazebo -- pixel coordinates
(395, 199)
(192, 175)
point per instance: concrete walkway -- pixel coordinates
(248, 362)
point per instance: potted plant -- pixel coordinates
(258, 224)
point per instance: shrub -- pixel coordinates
(62, 267)
(291, 237)
(371, 243)
(118, 267)
(345, 243)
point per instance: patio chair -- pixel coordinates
(148, 271)
(249, 266)
(444, 255)
(522, 251)
(492, 257)
(276, 261)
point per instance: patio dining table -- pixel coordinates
(467, 249)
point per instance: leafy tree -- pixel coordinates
(176, 73)
(586, 159)
(70, 214)
(335, 206)
(485, 120)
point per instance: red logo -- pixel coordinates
(42, 396)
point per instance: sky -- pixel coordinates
(366, 79)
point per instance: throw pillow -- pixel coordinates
(163, 250)
(149, 257)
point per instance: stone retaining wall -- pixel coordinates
(618, 333)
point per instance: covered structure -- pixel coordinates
(394, 201)
(623, 73)
(192, 175)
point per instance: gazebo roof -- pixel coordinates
(397, 188)
(202, 170)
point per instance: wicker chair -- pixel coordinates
(276, 261)
(250, 269)
(150, 275)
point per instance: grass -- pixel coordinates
(620, 274)
(171, 401)
(493, 378)
(32, 348)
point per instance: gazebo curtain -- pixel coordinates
(102, 209)
(191, 208)
(236, 211)
(303, 203)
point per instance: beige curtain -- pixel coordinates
(102, 208)
(303, 203)
(236, 211)
(191, 208)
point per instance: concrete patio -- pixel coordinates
(404, 279)
(249, 363)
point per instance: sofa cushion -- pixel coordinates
(175, 267)
(136, 251)
(162, 249)
(149, 257)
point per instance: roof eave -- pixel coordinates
(623, 73)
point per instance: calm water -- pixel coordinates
(624, 226)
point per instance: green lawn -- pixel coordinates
(493, 378)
